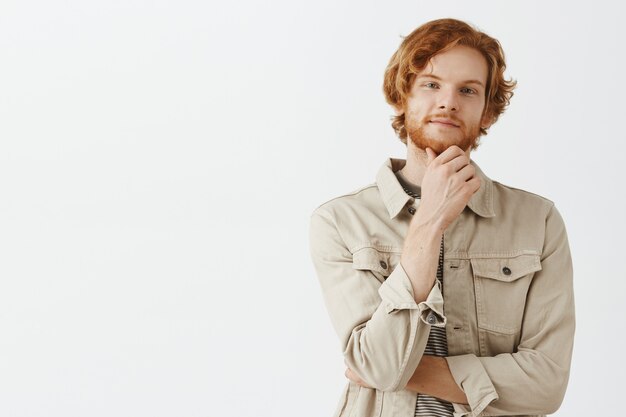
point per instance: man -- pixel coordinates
(451, 294)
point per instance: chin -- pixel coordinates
(440, 145)
(426, 136)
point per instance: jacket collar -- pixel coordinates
(395, 198)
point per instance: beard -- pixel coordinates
(416, 131)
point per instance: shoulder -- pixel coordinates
(339, 223)
(362, 199)
(514, 199)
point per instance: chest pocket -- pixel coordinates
(379, 262)
(501, 285)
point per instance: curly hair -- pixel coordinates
(435, 37)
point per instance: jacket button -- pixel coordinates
(431, 319)
(383, 264)
(412, 210)
(506, 271)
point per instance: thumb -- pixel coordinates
(431, 155)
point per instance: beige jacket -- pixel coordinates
(508, 304)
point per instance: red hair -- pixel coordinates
(435, 37)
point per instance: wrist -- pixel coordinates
(428, 229)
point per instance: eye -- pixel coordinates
(431, 85)
(466, 90)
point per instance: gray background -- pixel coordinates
(159, 161)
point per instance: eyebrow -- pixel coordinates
(433, 76)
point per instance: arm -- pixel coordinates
(384, 336)
(533, 379)
(382, 329)
(432, 377)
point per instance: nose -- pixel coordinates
(448, 100)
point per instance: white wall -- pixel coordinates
(159, 161)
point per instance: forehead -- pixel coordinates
(458, 64)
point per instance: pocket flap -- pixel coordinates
(371, 259)
(506, 268)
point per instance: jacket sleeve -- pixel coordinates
(382, 330)
(532, 380)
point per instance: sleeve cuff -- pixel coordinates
(397, 294)
(471, 376)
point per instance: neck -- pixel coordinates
(416, 163)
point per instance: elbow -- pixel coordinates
(385, 355)
(550, 396)
(551, 406)
(558, 389)
(381, 376)
(558, 393)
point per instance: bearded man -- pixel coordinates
(451, 293)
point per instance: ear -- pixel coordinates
(486, 121)
(398, 109)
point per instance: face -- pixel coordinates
(446, 102)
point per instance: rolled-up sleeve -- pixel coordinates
(397, 294)
(382, 330)
(533, 379)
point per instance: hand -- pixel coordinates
(355, 378)
(448, 184)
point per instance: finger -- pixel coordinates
(473, 184)
(466, 173)
(352, 376)
(459, 162)
(431, 155)
(449, 154)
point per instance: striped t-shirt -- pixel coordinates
(437, 344)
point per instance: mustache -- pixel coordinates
(443, 116)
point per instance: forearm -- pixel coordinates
(524, 382)
(420, 256)
(432, 377)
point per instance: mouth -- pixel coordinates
(444, 122)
